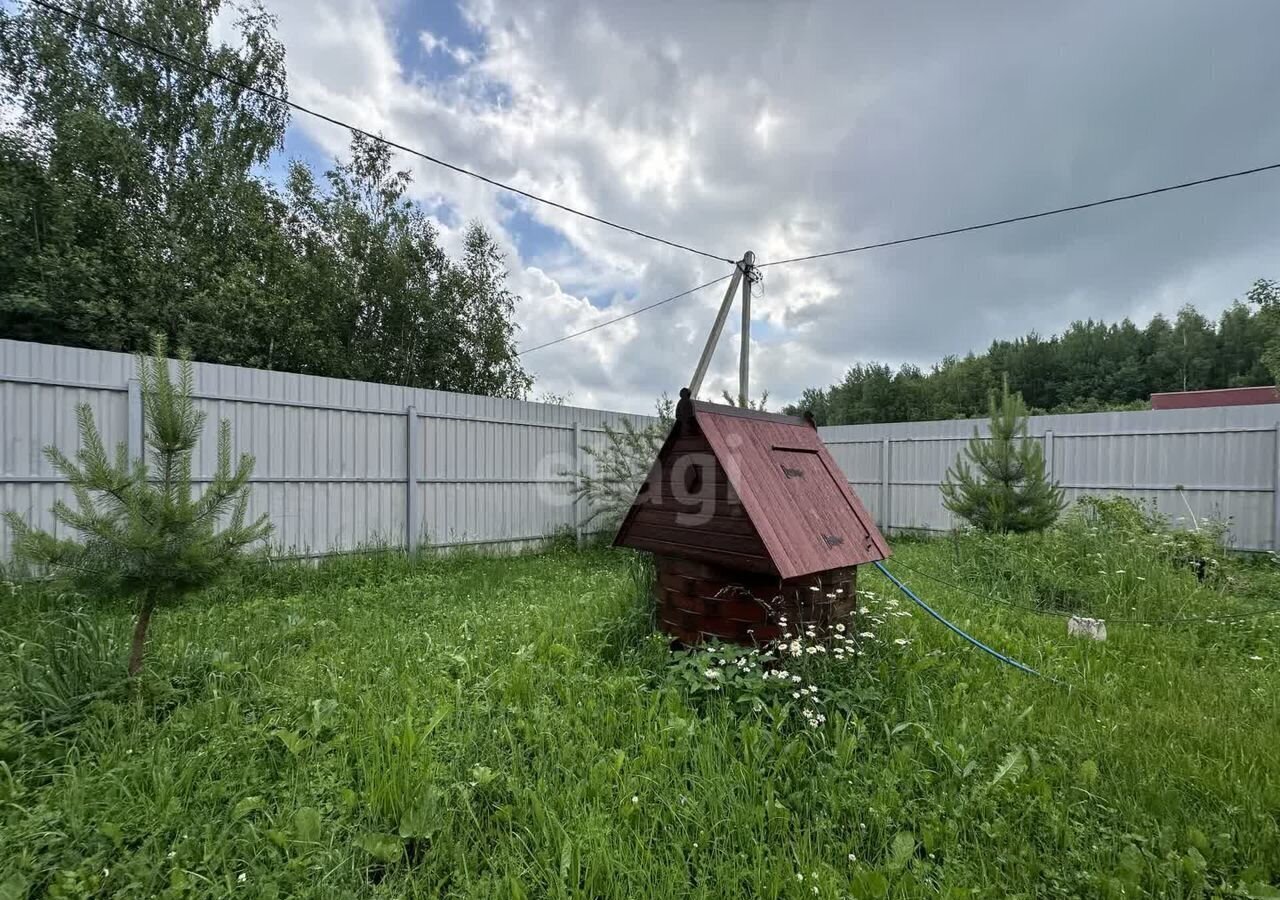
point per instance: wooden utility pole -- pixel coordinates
(744, 267)
(744, 354)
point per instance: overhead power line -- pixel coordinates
(1027, 218)
(462, 170)
(221, 76)
(634, 312)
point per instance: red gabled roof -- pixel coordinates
(790, 488)
(809, 523)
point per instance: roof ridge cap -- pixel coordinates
(724, 409)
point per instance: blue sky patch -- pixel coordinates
(298, 145)
(533, 239)
(445, 22)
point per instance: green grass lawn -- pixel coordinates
(472, 727)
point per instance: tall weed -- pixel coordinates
(65, 659)
(1107, 558)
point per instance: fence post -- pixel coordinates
(885, 488)
(135, 437)
(577, 467)
(413, 505)
(1048, 454)
(1275, 497)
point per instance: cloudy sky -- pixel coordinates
(792, 127)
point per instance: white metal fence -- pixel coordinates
(1191, 464)
(340, 464)
(344, 464)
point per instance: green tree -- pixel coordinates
(999, 483)
(129, 178)
(1193, 347)
(1084, 365)
(865, 395)
(1123, 380)
(387, 303)
(961, 385)
(1032, 364)
(1242, 342)
(133, 206)
(1180, 355)
(1092, 366)
(142, 532)
(486, 361)
(914, 394)
(1265, 294)
(812, 401)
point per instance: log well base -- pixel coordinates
(696, 602)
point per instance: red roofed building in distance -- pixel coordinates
(1241, 396)
(751, 521)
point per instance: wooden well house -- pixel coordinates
(750, 521)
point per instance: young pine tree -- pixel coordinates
(141, 532)
(1002, 485)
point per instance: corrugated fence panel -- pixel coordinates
(333, 468)
(489, 481)
(918, 462)
(917, 507)
(861, 462)
(1221, 463)
(331, 457)
(1236, 461)
(35, 415)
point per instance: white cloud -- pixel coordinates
(802, 127)
(433, 44)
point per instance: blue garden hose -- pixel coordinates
(968, 637)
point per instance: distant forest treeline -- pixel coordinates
(1090, 367)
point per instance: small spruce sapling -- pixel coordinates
(140, 531)
(1002, 485)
